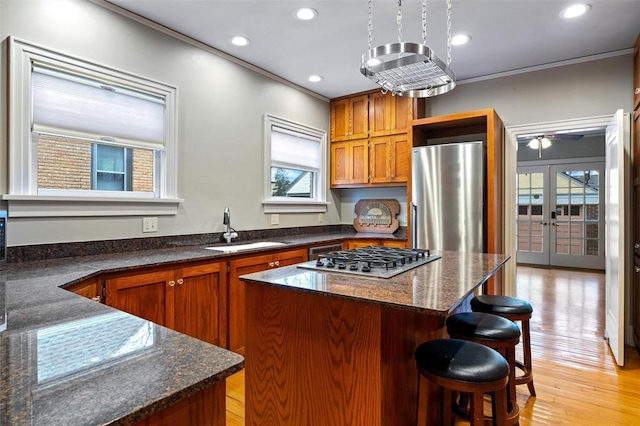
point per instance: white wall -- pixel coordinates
(221, 105)
(586, 89)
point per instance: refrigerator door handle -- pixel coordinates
(414, 224)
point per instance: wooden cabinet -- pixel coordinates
(485, 121)
(389, 114)
(636, 304)
(636, 75)
(236, 296)
(351, 244)
(185, 299)
(349, 118)
(381, 155)
(350, 162)
(89, 288)
(389, 159)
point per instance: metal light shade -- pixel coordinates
(408, 69)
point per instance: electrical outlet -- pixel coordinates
(149, 224)
(275, 219)
(320, 217)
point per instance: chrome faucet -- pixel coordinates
(226, 220)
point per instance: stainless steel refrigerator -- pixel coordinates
(448, 194)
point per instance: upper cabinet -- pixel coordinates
(369, 142)
(389, 115)
(350, 119)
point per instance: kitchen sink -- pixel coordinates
(241, 247)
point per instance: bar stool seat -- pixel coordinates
(468, 367)
(496, 333)
(514, 309)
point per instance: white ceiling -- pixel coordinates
(507, 35)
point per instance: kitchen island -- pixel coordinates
(327, 348)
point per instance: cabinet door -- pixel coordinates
(636, 75)
(401, 114)
(352, 244)
(636, 183)
(196, 303)
(399, 158)
(340, 163)
(143, 295)
(88, 288)
(290, 258)
(379, 160)
(379, 114)
(394, 243)
(636, 301)
(236, 326)
(359, 106)
(340, 117)
(359, 161)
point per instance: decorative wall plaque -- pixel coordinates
(377, 216)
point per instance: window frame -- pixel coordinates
(271, 204)
(23, 197)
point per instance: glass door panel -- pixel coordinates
(532, 231)
(576, 232)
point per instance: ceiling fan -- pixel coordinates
(543, 141)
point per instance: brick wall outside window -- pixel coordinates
(66, 164)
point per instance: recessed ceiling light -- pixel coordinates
(460, 39)
(575, 10)
(240, 41)
(306, 14)
(315, 78)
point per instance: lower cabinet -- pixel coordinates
(89, 288)
(236, 302)
(185, 299)
(351, 244)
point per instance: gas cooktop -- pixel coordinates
(374, 261)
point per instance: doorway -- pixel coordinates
(560, 215)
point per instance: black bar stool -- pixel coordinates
(513, 309)
(496, 333)
(468, 367)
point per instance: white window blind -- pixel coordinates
(288, 148)
(71, 105)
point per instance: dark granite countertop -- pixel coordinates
(67, 360)
(435, 288)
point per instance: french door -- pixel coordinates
(560, 215)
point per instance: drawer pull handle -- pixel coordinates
(180, 281)
(172, 283)
(277, 262)
(271, 264)
(96, 298)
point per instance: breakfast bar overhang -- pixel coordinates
(324, 348)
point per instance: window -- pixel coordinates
(295, 167)
(88, 134)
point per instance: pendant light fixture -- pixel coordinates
(409, 69)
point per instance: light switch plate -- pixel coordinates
(275, 219)
(149, 224)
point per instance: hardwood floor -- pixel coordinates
(576, 379)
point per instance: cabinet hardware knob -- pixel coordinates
(637, 269)
(97, 298)
(636, 245)
(172, 283)
(637, 91)
(277, 262)
(180, 281)
(270, 264)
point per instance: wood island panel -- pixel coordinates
(329, 348)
